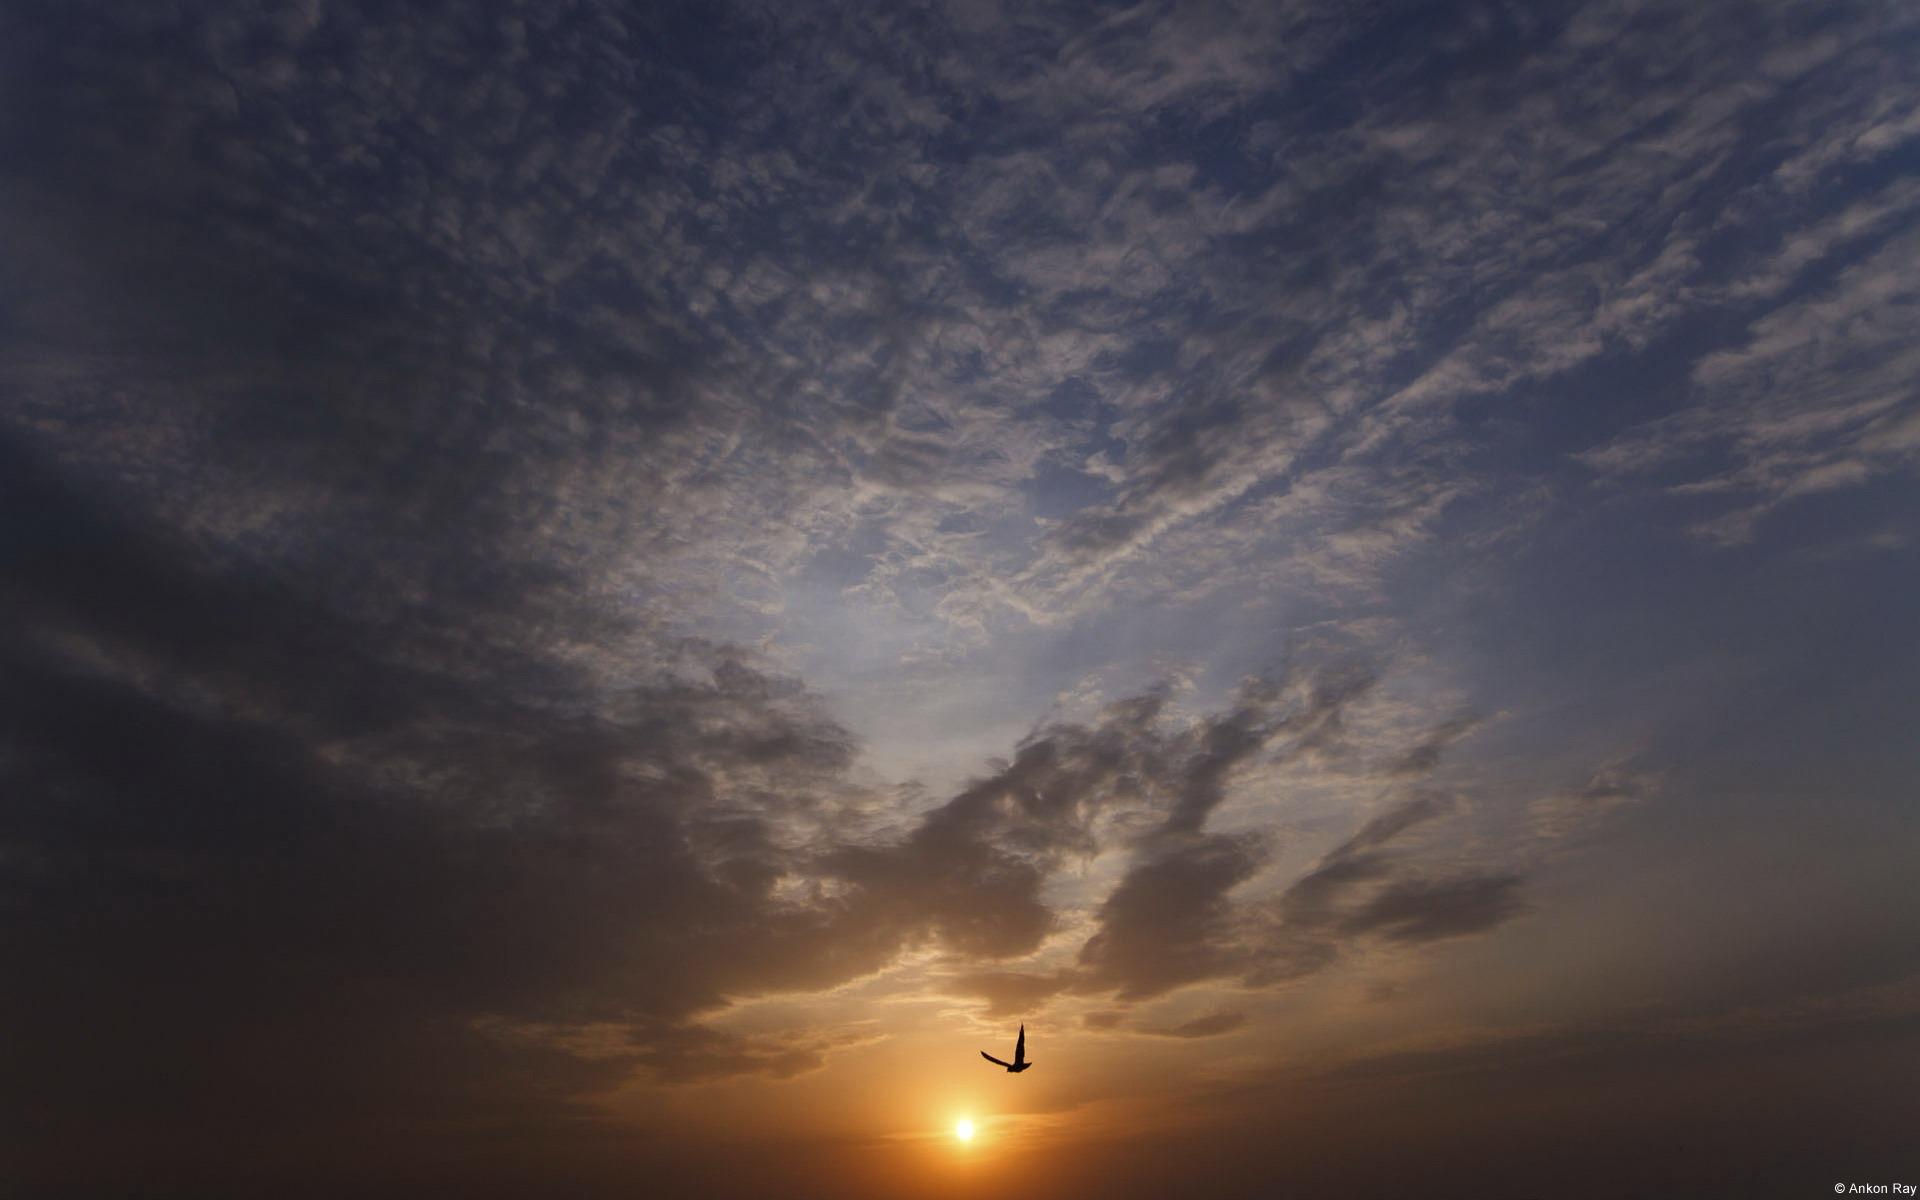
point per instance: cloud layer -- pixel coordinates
(527, 528)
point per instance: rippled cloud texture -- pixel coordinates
(588, 585)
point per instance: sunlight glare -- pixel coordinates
(963, 1129)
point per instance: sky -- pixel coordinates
(596, 597)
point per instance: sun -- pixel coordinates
(963, 1129)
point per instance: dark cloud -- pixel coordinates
(1164, 924)
(974, 866)
(1423, 910)
(1009, 993)
(692, 1053)
(1389, 825)
(309, 829)
(314, 841)
(1169, 920)
(340, 843)
(1367, 887)
(1210, 1025)
(1172, 920)
(338, 742)
(1314, 900)
(1424, 755)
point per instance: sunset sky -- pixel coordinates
(596, 596)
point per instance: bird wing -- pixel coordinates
(990, 1058)
(1020, 1047)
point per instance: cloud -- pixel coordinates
(1419, 910)
(1565, 813)
(1368, 886)
(1146, 783)
(1211, 1025)
(388, 847)
(1808, 405)
(1425, 755)
(1163, 924)
(680, 1053)
(499, 834)
(1008, 993)
(459, 467)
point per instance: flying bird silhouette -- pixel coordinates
(1019, 1062)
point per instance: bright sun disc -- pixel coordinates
(963, 1129)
